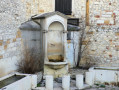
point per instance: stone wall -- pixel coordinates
(103, 47)
(34, 7)
(79, 8)
(104, 12)
(104, 21)
(103, 34)
(11, 16)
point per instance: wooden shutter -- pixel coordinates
(63, 6)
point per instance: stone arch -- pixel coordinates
(58, 21)
(55, 47)
(56, 25)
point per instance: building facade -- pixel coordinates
(100, 18)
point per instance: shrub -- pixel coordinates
(30, 62)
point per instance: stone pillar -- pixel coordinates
(65, 42)
(89, 78)
(66, 82)
(49, 82)
(79, 81)
(45, 44)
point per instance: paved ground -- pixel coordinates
(102, 88)
(58, 86)
(91, 88)
(73, 72)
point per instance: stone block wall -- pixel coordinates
(34, 7)
(104, 12)
(11, 16)
(79, 8)
(102, 49)
(103, 34)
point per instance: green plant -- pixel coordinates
(30, 62)
(38, 85)
(97, 84)
(103, 86)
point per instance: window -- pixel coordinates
(73, 21)
(63, 6)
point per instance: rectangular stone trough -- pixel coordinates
(17, 81)
(105, 75)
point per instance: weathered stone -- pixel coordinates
(90, 32)
(5, 47)
(106, 22)
(14, 40)
(8, 41)
(1, 43)
(1, 56)
(117, 33)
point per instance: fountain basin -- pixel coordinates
(56, 65)
(10, 80)
(105, 75)
(17, 81)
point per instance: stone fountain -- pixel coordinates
(54, 40)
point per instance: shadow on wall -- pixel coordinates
(87, 62)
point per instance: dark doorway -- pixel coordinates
(63, 6)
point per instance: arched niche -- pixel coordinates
(55, 44)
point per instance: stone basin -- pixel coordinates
(17, 81)
(10, 80)
(56, 65)
(105, 75)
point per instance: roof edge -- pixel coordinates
(45, 15)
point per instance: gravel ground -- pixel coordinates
(74, 72)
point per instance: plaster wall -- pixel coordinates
(72, 48)
(32, 40)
